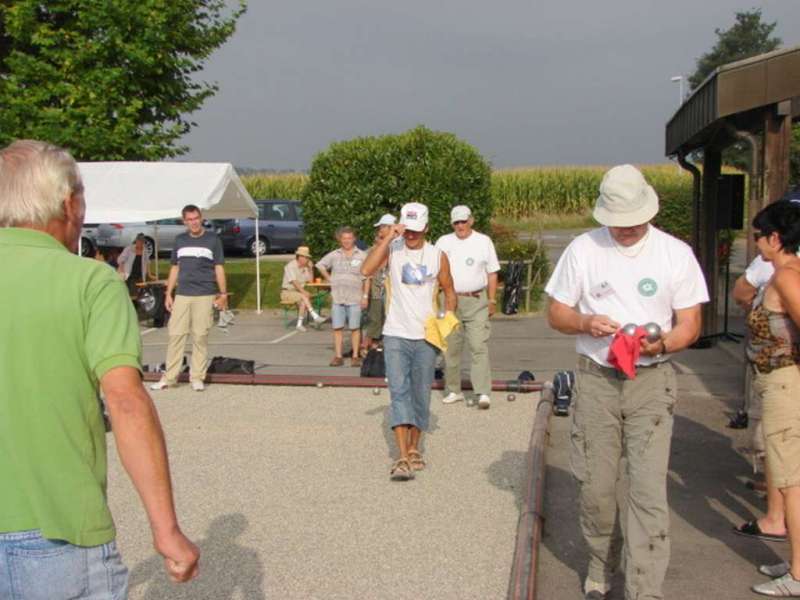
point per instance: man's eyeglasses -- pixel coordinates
(459, 222)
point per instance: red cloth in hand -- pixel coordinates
(624, 351)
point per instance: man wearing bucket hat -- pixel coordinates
(625, 272)
(414, 270)
(296, 274)
(473, 261)
(376, 313)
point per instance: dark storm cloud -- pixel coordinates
(526, 82)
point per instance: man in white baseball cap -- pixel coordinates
(415, 268)
(625, 272)
(474, 266)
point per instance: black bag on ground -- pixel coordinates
(512, 287)
(226, 364)
(373, 364)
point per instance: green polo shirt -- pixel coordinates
(64, 322)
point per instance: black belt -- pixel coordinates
(475, 294)
(589, 364)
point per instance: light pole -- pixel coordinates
(679, 79)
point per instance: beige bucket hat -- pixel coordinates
(303, 251)
(625, 199)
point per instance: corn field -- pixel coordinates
(517, 193)
(525, 192)
(278, 185)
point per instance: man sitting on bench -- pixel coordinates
(296, 274)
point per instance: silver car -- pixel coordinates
(89, 239)
(119, 235)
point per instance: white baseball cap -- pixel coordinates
(460, 213)
(625, 199)
(414, 216)
(386, 219)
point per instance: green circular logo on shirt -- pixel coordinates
(648, 287)
(470, 261)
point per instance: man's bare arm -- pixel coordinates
(446, 284)
(568, 320)
(379, 255)
(683, 335)
(222, 286)
(744, 292)
(492, 292)
(142, 450)
(172, 280)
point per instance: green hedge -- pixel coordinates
(356, 181)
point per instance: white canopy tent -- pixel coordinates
(132, 192)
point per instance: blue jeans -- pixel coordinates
(34, 568)
(410, 366)
(346, 314)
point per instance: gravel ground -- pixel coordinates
(286, 492)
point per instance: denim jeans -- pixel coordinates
(346, 314)
(410, 366)
(35, 568)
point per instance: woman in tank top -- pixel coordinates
(774, 354)
(415, 269)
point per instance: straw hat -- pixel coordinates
(303, 251)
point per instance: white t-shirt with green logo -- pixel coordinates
(595, 276)
(471, 260)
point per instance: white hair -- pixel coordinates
(35, 179)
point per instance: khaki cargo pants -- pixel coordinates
(621, 433)
(473, 313)
(195, 315)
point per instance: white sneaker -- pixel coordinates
(159, 385)
(484, 401)
(198, 386)
(452, 397)
(774, 571)
(300, 327)
(319, 320)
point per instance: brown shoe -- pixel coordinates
(355, 361)
(337, 361)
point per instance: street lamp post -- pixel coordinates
(679, 79)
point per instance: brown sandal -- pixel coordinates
(401, 471)
(415, 461)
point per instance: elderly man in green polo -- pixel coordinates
(69, 328)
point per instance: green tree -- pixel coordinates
(108, 79)
(748, 37)
(354, 182)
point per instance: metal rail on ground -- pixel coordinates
(498, 385)
(531, 520)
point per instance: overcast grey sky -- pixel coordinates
(527, 82)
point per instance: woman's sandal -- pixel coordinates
(401, 471)
(416, 461)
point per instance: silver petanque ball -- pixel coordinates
(511, 397)
(653, 331)
(376, 391)
(319, 384)
(629, 329)
(440, 314)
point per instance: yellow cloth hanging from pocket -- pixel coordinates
(436, 329)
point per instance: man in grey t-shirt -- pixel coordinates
(198, 270)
